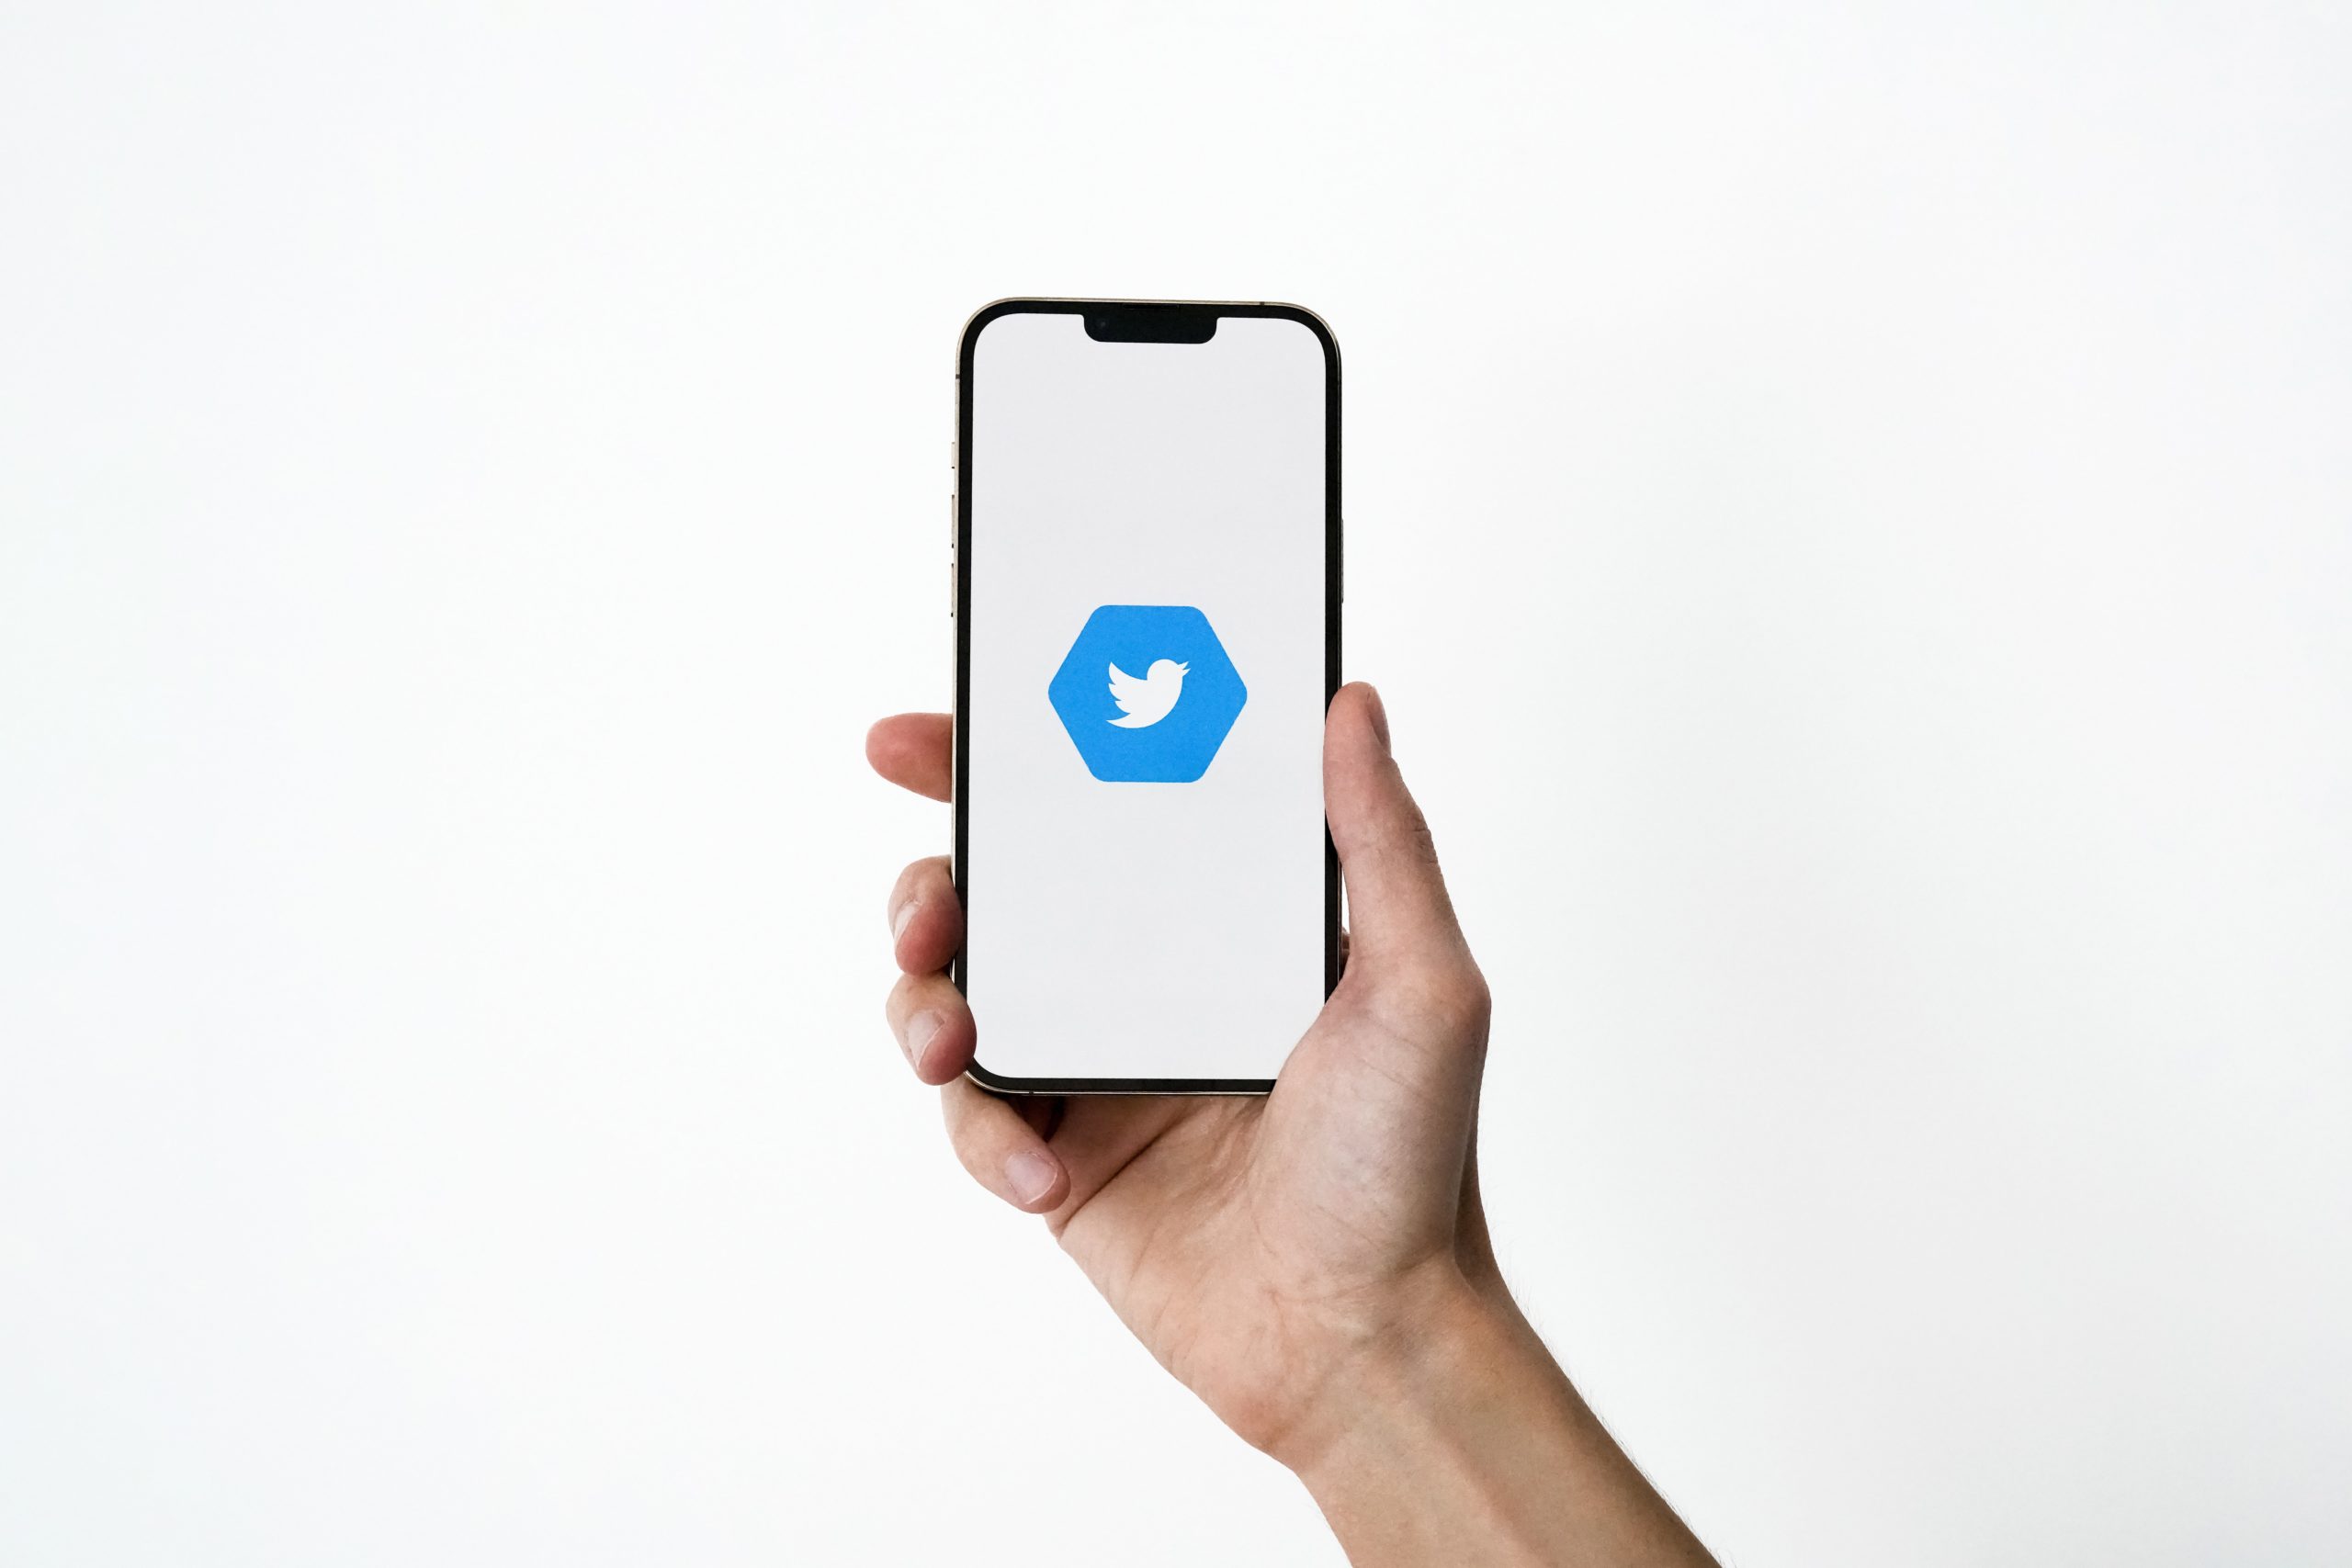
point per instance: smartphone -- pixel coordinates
(1146, 584)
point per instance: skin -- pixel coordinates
(1314, 1264)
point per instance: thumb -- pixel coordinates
(1399, 914)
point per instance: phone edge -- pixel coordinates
(1334, 597)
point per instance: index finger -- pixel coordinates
(914, 750)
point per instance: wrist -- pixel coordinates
(1456, 1437)
(1443, 1339)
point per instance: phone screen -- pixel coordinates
(1149, 638)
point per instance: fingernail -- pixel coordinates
(1379, 717)
(906, 913)
(921, 1029)
(1030, 1175)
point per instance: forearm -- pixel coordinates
(1468, 1444)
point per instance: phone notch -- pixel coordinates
(1150, 324)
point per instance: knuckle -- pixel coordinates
(1481, 1004)
(1463, 1002)
(1406, 837)
(1419, 842)
(1452, 1001)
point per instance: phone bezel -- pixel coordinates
(1332, 590)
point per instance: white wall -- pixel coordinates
(1853, 513)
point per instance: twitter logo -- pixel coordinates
(1148, 700)
(1164, 726)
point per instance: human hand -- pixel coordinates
(1314, 1264)
(1254, 1245)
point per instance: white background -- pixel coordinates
(1851, 510)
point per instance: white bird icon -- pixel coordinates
(1148, 700)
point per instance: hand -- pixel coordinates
(1254, 1245)
(1313, 1264)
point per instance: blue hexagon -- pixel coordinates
(1147, 693)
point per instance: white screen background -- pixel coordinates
(1145, 930)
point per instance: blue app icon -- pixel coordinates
(1147, 694)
